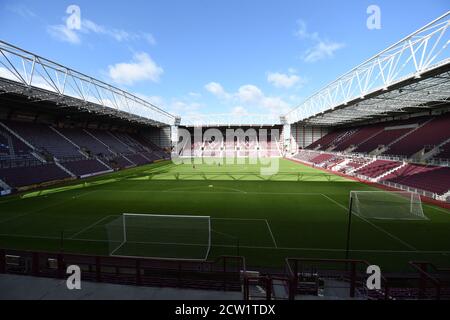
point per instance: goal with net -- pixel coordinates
(392, 205)
(160, 236)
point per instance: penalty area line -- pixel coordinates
(242, 246)
(91, 226)
(271, 234)
(373, 225)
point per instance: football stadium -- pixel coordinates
(348, 186)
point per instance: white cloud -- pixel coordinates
(239, 111)
(302, 31)
(156, 100)
(248, 97)
(276, 105)
(217, 90)
(322, 48)
(249, 93)
(149, 38)
(195, 95)
(141, 68)
(21, 10)
(62, 33)
(184, 107)
(281, 80)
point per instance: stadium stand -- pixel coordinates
(444, 152)
(430, 178)
(109, 140)
(13, 152)
(35, 153)
(377, 168)
(86, 142)
(431, 134)
(383, 138)
(86, 167)
(322, 158)
(325, 141)
(44, 139)
(26, 176)
(408, 153)
(358, 137)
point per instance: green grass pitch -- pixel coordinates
(299, 212)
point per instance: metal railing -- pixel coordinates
(307, 276)
(432, 280)
(224, 273)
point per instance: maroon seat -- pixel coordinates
(444, 153)
(432, 133)
(19, 177)
(85, 141)
(384, 138)
(361, 135)
(45, 139)
(377, 168)
(85, 167)
(322, 158)
(429, 178)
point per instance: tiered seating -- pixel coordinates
(120, 162)
(152, 156)
(306, 155)
(13, 152)
(86, 142)
(342, 138)
(85, 167)
(322, 158)
(330, 163)
(111, 141)
(445, 152)
(151, 146)
(355, 163)
(25, 176)
(128, 140)
(384, 138)
(45, 139)
(377, 168)
(138, 159)
(74, 149)
(431, 134)
(429, 178)
(361, 135)
(326, 140)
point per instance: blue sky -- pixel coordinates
(213, 56)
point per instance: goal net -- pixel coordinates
(394, 205)
(160, 236)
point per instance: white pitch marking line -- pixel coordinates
(373, 225)
(232, 246)
(271, 234)
(438, 209)
(90, 226)
(34, 211)
(186, 189)
(239, 219)
(120, 246)
(217, 192)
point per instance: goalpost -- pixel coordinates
(383, 205)
(177, 237)
(387, 205)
